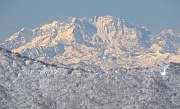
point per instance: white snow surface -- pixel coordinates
(164, 70)
(29, 84)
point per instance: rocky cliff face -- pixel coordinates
(100, 43)
(29, 84)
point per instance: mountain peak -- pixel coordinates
(24, 29)
(168, 31)
(108, 17)
(55, 22)
(72, 19)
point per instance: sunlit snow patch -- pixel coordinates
(164, 70)
(28, 62)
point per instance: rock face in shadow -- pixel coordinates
(29, 84)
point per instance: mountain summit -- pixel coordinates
(100, 43)
(168, 41)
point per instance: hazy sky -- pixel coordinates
(154, 14)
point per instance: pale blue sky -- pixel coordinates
(154, 14)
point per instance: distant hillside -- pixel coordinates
(28, 84)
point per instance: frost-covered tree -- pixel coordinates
(30, 84)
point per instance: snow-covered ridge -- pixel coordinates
(28, 84)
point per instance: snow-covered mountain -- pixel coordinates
(101, 43)
(168, 41)
(29, 84)
(19, 39)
